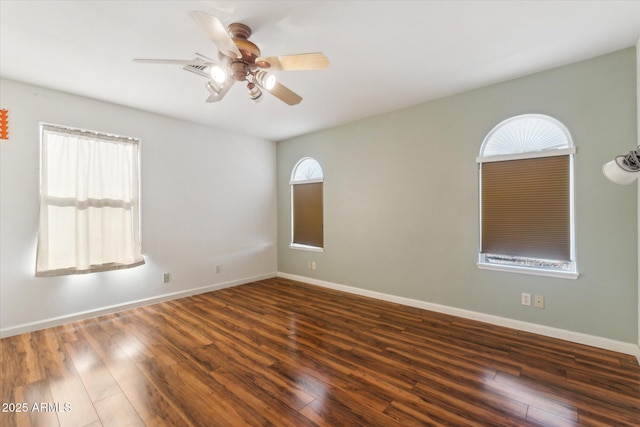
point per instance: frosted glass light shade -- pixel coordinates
(255, 93)
(270, 82)
(218, 74)
(266, 80)
(615, 173)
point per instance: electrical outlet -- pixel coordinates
(217, 268)
(539, 301)
(526, 298)
(166, 278)
(313, 265)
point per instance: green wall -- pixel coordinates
(401, 200)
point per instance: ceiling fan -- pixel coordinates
(240, 60)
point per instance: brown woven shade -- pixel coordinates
(526, 208)
(307, 214)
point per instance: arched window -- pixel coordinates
(526, 197)
(307, 223)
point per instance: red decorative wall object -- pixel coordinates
(4, 124)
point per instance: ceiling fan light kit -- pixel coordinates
(254, 92)
(623, 169)
(240, 60)
(218, 74)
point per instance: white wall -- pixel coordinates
(208, 198)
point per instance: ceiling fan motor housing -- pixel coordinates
(245, 65)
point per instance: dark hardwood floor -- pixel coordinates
(282, 353)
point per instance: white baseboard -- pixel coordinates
(60, 320)
(577, 337)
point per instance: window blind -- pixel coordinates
(526, 208)
(307, 214)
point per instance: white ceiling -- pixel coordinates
(384, 55)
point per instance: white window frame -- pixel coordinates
(484, 262)
(293, 182)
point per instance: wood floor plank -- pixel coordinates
(96, 378)
(116, 411)
(153, 407)
(546, 402)
(424, 413)
(21, 364)
(36, 392)
(70, 391)
(205, 401)
(547, 419)
(458, 398)
(287, 392)
(280, 352)
(250, 392)
(432, 348)
(52, 357)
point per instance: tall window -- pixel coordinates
(306, 205)
(89, 206)
(526, 197)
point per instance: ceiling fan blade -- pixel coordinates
(217, 91)
(284, 94)
(301, 61)
(175, 61)
(216, 32)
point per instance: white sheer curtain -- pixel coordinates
(89, 202)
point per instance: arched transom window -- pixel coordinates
(526, 197)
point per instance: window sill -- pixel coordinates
(306, 248)
(525, 270)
